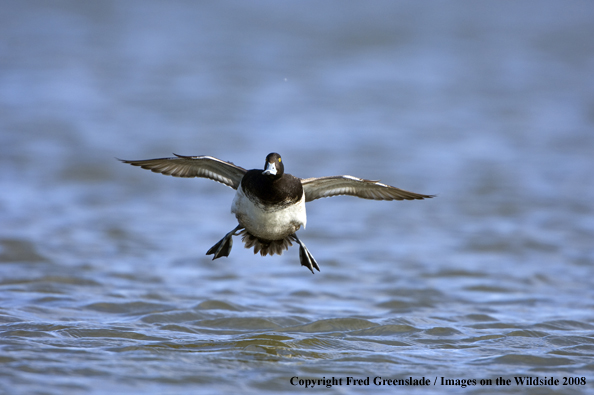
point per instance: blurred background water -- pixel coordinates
(104, 285)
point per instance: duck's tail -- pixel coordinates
(265, 247)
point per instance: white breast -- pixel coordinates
(268, 223)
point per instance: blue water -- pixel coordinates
(104, 283)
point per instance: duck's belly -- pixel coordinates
(268, 223)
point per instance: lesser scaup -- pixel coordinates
(270, 204)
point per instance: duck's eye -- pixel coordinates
(279, 159)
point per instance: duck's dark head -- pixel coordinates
(274, 167)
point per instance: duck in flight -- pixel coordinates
(270, 204)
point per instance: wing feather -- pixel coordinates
(194, 166)
(316, 188)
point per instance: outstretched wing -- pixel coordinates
(194, 166)
(316, 188)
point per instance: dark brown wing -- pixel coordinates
(194, 166)
(316, 188)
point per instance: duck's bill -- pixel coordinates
(270, 169)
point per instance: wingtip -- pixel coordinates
(423, 197)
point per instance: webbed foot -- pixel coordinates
(305, 257)
(223, 247)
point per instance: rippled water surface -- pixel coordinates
(104, 285)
